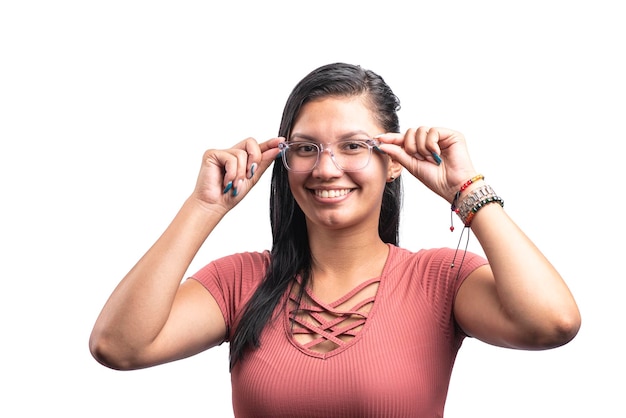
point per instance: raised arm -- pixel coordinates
(519, 300)
(151, 318)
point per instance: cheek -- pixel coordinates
(294, 179)
(296, 182)
(380, 168)
(373, 181)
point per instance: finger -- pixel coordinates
(413, 138)
(421, 139)
(253, 158)
(432, 141)
(271, 144)
(260, 156)
(269, 151)
(252, 155)
(232, 163)
(427, 144)
(399, 154)
(410, 141)
(391, 138)
(447, 138)
(421, 143)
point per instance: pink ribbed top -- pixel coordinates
(391, 355)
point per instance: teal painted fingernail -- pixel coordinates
(252, 169)
(436, 157)
(228, 187)
(235, 192)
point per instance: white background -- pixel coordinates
(107, 107)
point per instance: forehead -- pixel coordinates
(335, 116)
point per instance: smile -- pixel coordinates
(331, 193)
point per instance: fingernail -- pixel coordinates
(436, 157)
(252, 170)
(228, 187)
(236, 188)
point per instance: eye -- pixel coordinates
(303, 149)
(353, 147)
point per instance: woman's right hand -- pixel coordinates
(226, 176)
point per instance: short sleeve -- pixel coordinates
(438, 273)
(232, 280)
(444, 271)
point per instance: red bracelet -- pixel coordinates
(470, 181)
(458, 194)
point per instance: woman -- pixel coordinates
(337, 320)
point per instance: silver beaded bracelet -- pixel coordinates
(478, 198)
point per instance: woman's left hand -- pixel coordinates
(437, 157)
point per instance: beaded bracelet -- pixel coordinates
(494, 199)
(476, 200)
(464, 186)
(468, 208)
(470, 181)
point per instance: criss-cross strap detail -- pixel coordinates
(327, 322)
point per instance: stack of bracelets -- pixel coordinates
(472, 203)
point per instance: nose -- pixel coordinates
(327, 166)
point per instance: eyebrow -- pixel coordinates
(345, 136)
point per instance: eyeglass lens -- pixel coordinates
(347, 155)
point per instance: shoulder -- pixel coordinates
(432, 277)
(433, 262)
(245, 263)
(232, 279)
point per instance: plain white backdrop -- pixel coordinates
(107, 107)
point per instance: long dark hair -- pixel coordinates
(290, 253)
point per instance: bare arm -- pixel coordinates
(519, 300)
(151, 318)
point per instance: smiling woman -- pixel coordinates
(344, 185)
(336, 304)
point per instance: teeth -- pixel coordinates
(332, 193)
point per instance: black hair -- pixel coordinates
(290, 254)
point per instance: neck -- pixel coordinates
(345, 258)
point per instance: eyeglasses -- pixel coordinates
(350, 155)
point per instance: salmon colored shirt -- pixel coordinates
(398, 363)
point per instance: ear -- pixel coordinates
(394, 169)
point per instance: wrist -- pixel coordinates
(204, 209)
(471, 197)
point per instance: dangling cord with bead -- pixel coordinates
(464, 251)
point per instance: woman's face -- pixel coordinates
(328, 196)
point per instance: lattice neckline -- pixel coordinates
(330, 327)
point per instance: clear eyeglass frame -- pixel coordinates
(316, 149)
